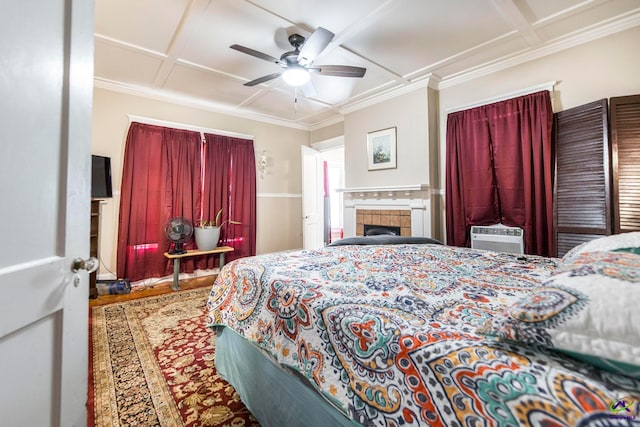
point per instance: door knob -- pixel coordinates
(89, 264)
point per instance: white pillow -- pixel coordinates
(607, 243)
(588, 309)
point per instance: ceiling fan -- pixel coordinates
(298, 63)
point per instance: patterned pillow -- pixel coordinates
(588, 309)
(607, 243)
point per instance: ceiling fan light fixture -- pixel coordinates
(296, 76)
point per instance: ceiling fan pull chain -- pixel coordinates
(295, 100)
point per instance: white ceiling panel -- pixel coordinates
(120, 64)
(239, 23)
(482, 57)
(541, 9)
(405, 41)
(283, 103)
(336, 90)
(182, 46)
(306, 106)
(205, 84)
(341, 91)
(146, 23)
(310, 14)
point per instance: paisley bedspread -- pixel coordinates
(387, 334)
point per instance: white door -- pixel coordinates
(46, 82)
(312, 199)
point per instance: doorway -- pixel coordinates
(322, 201)
(334, 209)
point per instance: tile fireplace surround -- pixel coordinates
(384, 217)
(407, 207)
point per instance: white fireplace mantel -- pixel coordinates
(412, 197)
(405, 191)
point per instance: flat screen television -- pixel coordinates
(101, 177)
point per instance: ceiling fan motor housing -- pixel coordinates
(296, 40)
(291, 57)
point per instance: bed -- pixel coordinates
(426, 334)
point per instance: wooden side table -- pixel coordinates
(221, 250)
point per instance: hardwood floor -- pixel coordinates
(152, 290)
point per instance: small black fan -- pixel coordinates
(178, 231)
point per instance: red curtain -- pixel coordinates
(182, 196)
(160, 172)
(470, 181)
(499, 170)
(230, 184)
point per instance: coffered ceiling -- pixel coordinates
(178, 50)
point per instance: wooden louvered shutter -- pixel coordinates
(625, 136)
(582, 202)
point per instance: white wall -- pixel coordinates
(328, 132)
(408, 113)
(279, 210)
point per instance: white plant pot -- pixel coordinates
(207, 237)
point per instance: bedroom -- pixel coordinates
(581, 80)
(418, 110)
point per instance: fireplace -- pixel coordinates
(407, 207)
(374, 230)
(383, 221)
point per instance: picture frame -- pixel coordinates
(381, 149)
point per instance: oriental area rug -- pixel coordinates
(152, 364)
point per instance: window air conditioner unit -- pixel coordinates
(499, 238)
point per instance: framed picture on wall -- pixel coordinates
(381, 149)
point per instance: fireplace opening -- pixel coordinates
(374, 230)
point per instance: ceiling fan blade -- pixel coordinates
(255, 53)
(262, 79)
(315, 44)
(308, 89)
(339, 70)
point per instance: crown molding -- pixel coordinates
(575, 39)
(385, 95)
(187, 101)
(327, 122)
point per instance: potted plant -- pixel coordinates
(207, 233)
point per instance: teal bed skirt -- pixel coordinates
(275, 396)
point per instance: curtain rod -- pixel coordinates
(520, 92)
(183, 126)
